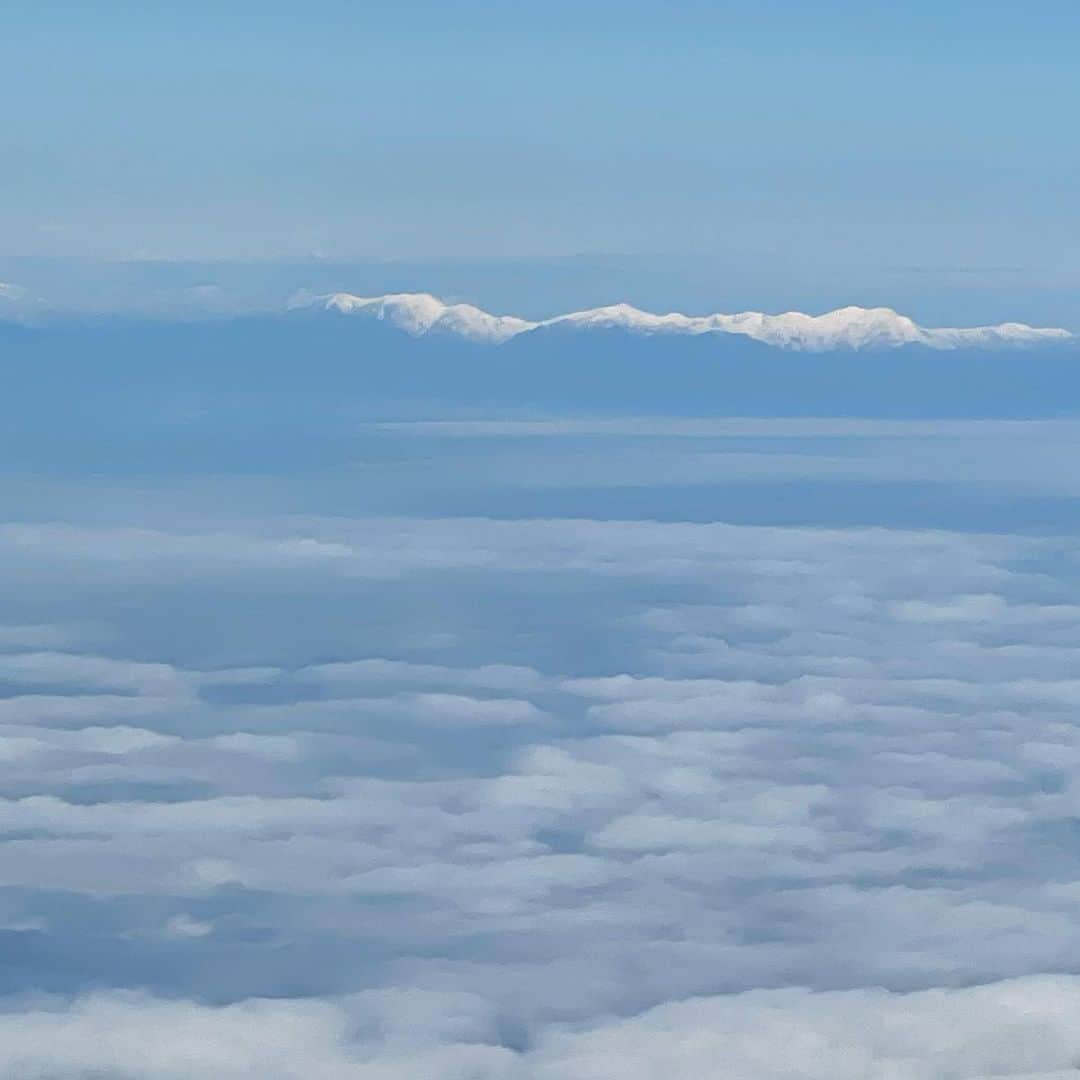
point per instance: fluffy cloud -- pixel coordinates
(536, 797)
(1021, 1028)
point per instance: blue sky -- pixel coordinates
(838, 136)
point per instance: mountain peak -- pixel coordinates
(845, 328)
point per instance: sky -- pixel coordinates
(831, 136)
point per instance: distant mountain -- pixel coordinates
(420, 314)
(125, 390)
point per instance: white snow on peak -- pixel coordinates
(848, 327)
(422, 313)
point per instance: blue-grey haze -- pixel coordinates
(593, 706)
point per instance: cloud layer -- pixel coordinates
(518, 798)
(1020, 1028)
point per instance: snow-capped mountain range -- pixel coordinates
(846, 328)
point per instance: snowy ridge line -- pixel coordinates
(846, 328)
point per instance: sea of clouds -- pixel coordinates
(442, 762)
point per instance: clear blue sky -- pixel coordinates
(837, 133)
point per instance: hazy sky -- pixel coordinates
(837, 135)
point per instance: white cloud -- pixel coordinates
(649, 761)
(1027, 1027)
(184, 926)
(1019, 1028)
